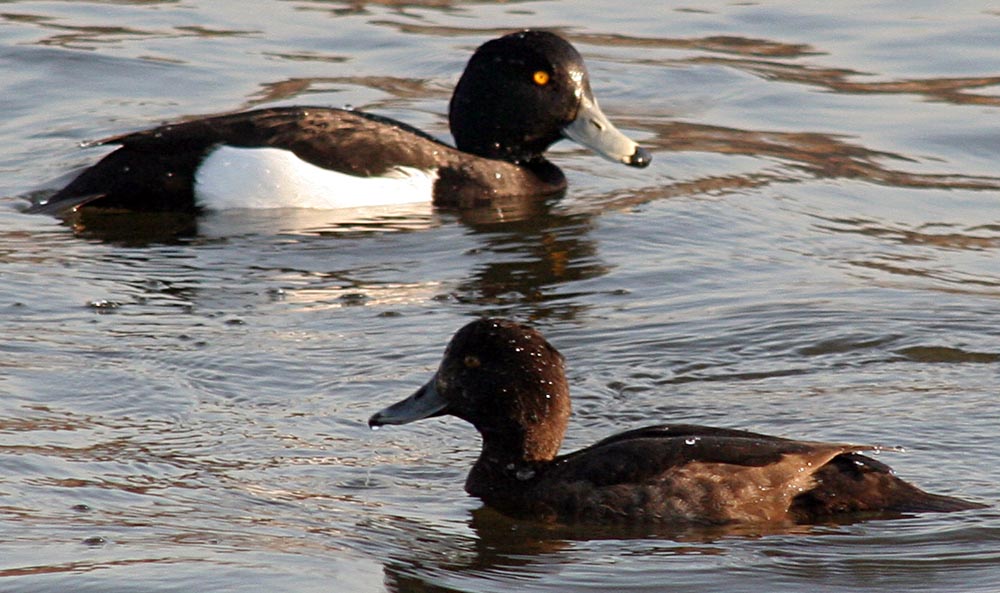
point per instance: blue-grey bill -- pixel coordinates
(592, 129)
(424, 403)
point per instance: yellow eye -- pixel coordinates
(471, 361)
(541, 78)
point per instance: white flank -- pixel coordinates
(273, 178)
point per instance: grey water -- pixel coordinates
(813, 253)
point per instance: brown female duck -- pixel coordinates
(509, 382)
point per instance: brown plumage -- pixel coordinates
(509, 382)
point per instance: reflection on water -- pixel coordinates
(547, 557)
(812, 253)
(526, 260)
(64, 33)
(142, 228)
(300, 89)
(932, 235)
(819, 156)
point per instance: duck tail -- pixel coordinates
(852, 483)
(914, 500)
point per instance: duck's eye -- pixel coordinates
(540, 77)
(472, 362)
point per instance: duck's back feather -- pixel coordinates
(713, 475)
(156, 169)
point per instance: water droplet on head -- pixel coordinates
(691, 440)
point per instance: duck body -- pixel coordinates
(509, 383)
(519, 94)
(699, 474)
(170, 168)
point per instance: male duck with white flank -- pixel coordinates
(508, 381)
(519, 94)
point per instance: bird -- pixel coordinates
(509, 382)
(518, 95)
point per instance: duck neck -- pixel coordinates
(503, 464)
(512, 456)
(520, 446)
(546, 171)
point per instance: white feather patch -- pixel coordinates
(273, 178)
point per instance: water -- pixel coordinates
(813, 253)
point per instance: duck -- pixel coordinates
(518, 95)
(509, 382)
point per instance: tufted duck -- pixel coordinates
(519, 94)
(508, 381)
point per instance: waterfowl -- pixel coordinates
(509, 383)
(518, 95)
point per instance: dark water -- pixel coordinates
(813, 253)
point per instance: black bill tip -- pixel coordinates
(640, 158)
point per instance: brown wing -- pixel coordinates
(648, 453)
(711, 475)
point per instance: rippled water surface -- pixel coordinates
(813, 253)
